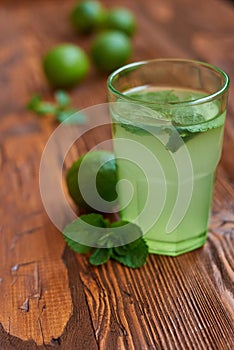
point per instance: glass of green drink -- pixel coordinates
(168, 117)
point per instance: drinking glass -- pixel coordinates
(168, 118)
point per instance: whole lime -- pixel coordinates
(98, 166)
(87, 16)
(65, 65)
(111, 50)
(121, 19)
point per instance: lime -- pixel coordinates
(111, 50)
(87, 16)
(121, 19)
(65, 65)
(106, 177)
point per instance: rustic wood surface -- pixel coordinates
(51, 297)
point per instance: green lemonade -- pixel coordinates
(185, 141)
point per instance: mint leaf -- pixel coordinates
(129, 233)
(70, 116)
(45, 108)
(62, 98)
(77, 247)
(95, 220)
(134, 129)
(164, 96)
(124, 249)
(175, 141)
(133, 258)
(187, 116)
(33, 102)
(80, 232)
(100, 256)
(38, 106)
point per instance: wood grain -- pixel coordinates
(51, 297)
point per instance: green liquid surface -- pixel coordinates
(183, 146)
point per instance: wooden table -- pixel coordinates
(51, 297)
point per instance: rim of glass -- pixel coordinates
(201, 100)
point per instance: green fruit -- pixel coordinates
(111, 50)
(65, 65)
(121, 19)
(87, 16)
(106, 177)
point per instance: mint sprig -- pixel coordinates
(133, 257)
(61, 109)
(109, 244)
(186, 122)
